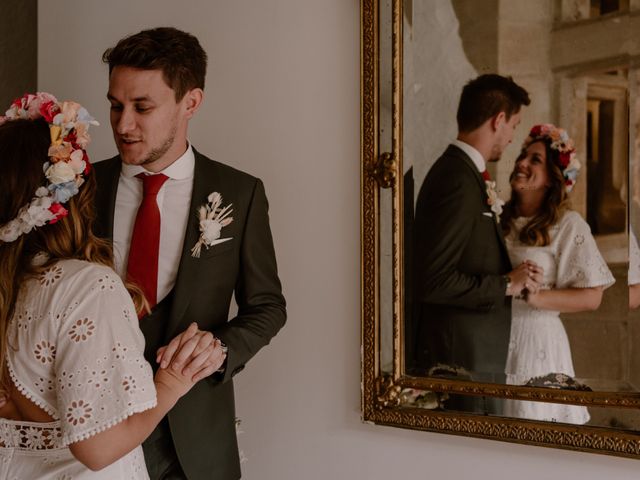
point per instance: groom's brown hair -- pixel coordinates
(178, 54)
(486, 96)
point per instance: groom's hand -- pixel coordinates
(184, 353)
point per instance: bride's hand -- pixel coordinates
(176, 357)
(536, 277)
(187, 366)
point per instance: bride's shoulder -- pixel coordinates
(572, 222)
(80, 272)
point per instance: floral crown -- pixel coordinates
(558, 140)
(68, 161)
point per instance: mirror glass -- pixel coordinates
(575, 58)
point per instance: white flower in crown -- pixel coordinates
(212, 218)
(493, 200)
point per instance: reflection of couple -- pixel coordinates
(474, 310)
(72, 350)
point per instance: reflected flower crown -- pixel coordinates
(558, 140)
(68, 161)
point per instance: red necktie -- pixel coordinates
(142, 267)
(485, 175)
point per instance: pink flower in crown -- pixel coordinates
(68, 113)
(77, 161)
(49, 110)
(59, 211)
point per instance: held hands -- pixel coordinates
(526, 279)
(188, 358)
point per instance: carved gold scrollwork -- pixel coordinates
(385, 170)
(388, 392)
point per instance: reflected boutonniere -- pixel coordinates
(493, 200)
(212, 218)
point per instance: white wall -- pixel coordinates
(283, 103)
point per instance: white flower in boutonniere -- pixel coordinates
(493, 200)
(213, 217)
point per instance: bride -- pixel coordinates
(538, 225)
(83, 398)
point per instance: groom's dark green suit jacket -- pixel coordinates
(203, 422)
(463, 316)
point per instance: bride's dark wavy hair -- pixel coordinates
(556, 202)
(24, 146)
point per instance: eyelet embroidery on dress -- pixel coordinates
(30, 437)
(98, 379)
(43, 384)
(129, 384)
(45, 352)
(120, 351)
(82, 329)
(79, 412)
(51, 275)
(107, 282)
(24, 318)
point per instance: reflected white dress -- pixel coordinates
(75, 350)
(634, 260)
(539, 344)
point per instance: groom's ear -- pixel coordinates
(192, 101)
(498, 120)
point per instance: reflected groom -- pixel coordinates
(463, 278)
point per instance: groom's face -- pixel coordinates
(149, 126)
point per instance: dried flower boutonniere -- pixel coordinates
(212, 218)
(493, 200)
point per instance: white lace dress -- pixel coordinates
(76, 351)
(539, 344)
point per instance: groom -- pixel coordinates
(464, 280)
(148, 202)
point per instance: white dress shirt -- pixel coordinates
(475, 156)
(174, 199)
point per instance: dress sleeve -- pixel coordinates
(580, 264)
(101, 375)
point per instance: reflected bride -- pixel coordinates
(538, 225)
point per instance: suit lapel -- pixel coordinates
(205, 181)
(481, 182)
(107, 176)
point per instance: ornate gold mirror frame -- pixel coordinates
(382, 393)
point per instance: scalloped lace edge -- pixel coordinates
(24, 390)
(78, 437)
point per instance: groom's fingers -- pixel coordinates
(204, 373)
(213, 356)
(198, 362)
(206, 339)
(176, 344)
(159, 354)
(182, 355)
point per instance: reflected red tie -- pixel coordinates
(485, 175)
(142, 267)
